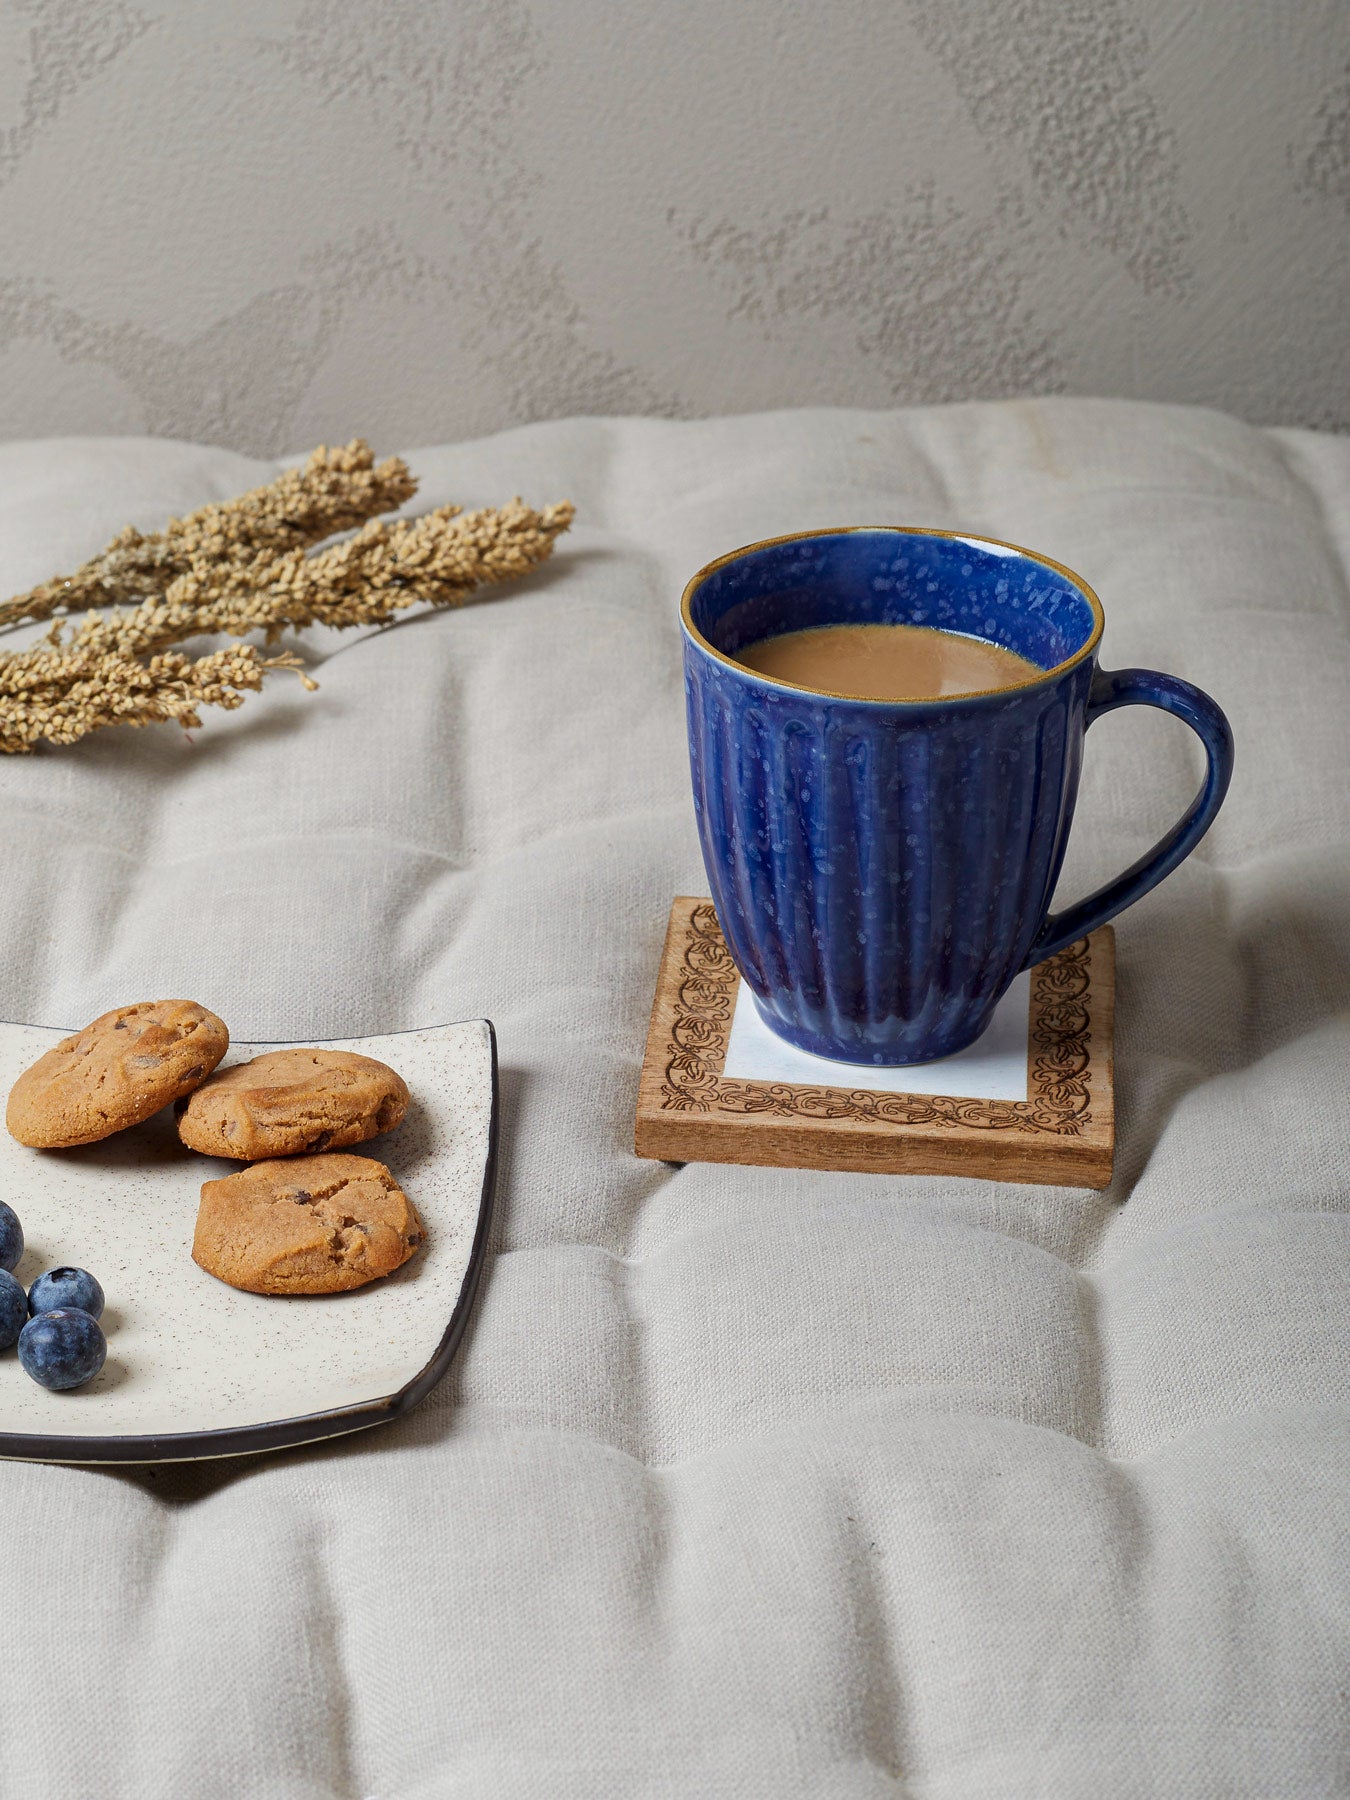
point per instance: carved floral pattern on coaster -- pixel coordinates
(1058, 1058)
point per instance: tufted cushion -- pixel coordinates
(747, 1482)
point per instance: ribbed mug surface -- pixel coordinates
(881, 868)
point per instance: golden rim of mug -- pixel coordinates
(964, 537)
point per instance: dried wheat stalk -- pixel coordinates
(244, 567)
(119, 690)
(335, 490)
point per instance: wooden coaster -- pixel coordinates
(1063, 1132)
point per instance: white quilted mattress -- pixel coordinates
(746, 1482)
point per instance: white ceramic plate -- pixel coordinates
(198, 1369)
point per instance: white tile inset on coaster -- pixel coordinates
(994, 1067)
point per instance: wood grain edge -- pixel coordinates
(647, 1135)
(863, 1149)
(1101, 1130)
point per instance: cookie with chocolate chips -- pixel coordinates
(115, 1073)
(305, 1225)
(291, 1102)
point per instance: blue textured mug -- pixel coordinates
(883, 869)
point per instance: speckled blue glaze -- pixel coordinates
(882, 870)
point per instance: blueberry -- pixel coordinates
(11, 1237)
(62, 1349)
(13, 1309)
(65, 1287)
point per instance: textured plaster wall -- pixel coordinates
(266, 222)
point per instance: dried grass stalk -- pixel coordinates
(117, 690)
(335, 490)
(239, 568)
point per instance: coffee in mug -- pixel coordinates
(887, 662)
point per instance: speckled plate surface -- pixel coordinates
(198, 1369)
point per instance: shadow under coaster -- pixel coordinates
(1032, 1100)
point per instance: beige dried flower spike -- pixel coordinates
(335, 490)
(244, 566)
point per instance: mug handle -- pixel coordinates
(1146, 687)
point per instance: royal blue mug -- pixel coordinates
(883, 869)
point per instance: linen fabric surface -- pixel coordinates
(746, 1482)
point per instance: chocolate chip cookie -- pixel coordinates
(305, 1225)
(290, 1102)
(115, 1073)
